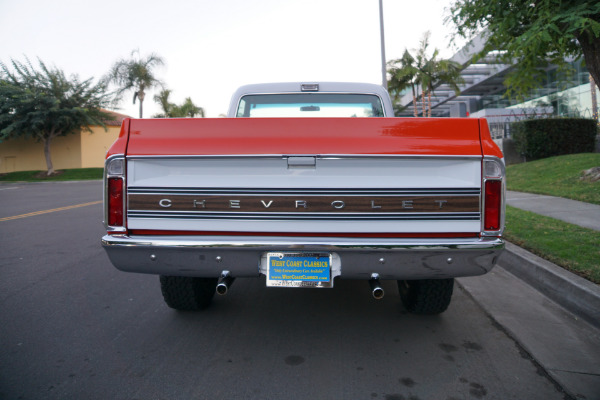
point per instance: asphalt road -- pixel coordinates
(73, 327)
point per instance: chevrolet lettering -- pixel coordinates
(349, 193)
(336, 204)
(141, 202)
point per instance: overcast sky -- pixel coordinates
(213, 46)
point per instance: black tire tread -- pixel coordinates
(426, 296)
(185, 293)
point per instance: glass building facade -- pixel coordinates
(569, 94)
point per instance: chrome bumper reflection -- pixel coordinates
(359, 258)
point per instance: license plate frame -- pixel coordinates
(299, 269)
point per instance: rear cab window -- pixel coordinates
(298, 105)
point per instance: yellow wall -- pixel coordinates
(80, 150)
(95, 145)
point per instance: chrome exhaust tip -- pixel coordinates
(376, 289)
(225, 281)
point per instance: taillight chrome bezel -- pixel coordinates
(115, 168)
(493, 170)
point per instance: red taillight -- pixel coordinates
(493, 203)
(115, 202)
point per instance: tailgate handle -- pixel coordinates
(302, 162)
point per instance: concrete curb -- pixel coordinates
(579, 296)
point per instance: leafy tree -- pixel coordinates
(531, 33)
(136, 74)
(171, 110)
(44, 104)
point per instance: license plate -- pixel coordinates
(299, 270)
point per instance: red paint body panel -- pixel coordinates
(315, 136)
(120, 145)
(488, 146)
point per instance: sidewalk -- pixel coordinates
(574, 293)
(578, 295)
(571, 211)
(562, 335)
(566, 347)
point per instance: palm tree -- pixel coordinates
(136, 74)
(403, 74)
(163, 100)
(423, 65)
(189, 109)
(171, 110)
(442, 71)
(422, 71)
(432, 70)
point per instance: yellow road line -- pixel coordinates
(31, 214)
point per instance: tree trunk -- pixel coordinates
(429, 103)
(47, 154)
(141, 96)
(594, 99)
(591, 53)
(414, 101)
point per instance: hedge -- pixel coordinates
(542, 138)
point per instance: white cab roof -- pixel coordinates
(326, 87)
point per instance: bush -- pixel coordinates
(541, 138)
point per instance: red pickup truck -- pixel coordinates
(350, 193)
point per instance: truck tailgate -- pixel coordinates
(296, 175)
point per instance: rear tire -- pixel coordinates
(187, 293)
(426, 296)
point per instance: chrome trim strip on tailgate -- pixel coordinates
(303, 216)
(307, 191)
(318, 156)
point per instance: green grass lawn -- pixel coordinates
(79, 174)
(556, 176)
(572, 247)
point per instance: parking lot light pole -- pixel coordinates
(383, 70)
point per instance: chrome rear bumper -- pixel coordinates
(356, 258)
